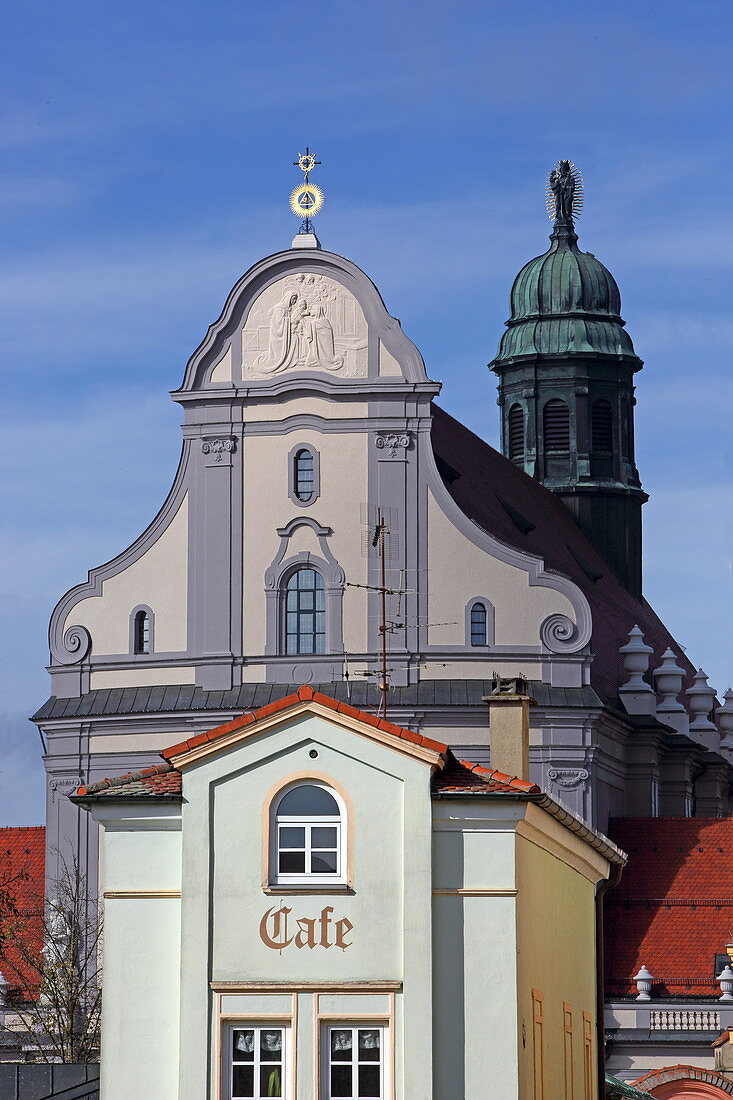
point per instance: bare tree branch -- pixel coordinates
(51, 953)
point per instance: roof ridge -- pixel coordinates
(123, 780)
(494, 775)
(304, 694)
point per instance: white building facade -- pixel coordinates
(311, 902)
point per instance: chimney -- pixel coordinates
(509, 704)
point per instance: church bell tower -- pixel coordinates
(566, 369)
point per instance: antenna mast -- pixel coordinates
(380, 533)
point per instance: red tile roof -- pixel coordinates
(303, 694)
(22, 852)
(164, 781)
(515, 508)
(673, 909)
(463, 777)
(160, 780)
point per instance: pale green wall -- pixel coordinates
(141, 953)
(222, 884)
(469, 904)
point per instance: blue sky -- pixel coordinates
(146, 163)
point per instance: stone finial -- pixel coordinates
(702, 697)
(643, 981)
(636, 694)
(668, 679)
(725, 978)
(724, 716)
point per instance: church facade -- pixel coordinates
(310, 424)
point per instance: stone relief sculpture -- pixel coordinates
(305, 322)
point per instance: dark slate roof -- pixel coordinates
(148, 700)
(519, 511)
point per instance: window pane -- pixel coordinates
(243, 1081)
(244, 1046)
(323, 837)
(369, 1081)
(478, 624)
(323, 863)
(292, 863)
(292, 836)
(309, 801)
(304, 475)
(341, 1045)
(305, 606)
(271, 1045)
(369, 1046)
(340, 1080)
(271, 1081)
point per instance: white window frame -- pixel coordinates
(308, 822)
(257, 1025)
(382, 1026)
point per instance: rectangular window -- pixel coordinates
(538, 1050)
(587, 1057)
(308, 849)
(567, 1026)
(353, 1063)
(257, 1062)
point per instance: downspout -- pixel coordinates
(608, 884)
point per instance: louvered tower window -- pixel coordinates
(516, 433)
(556, 423)
(602, 426)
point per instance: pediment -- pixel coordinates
(300, 316)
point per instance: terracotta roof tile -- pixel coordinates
(23, 850)
(673, 909)
(463, 777)
(303, 694)
(160, 780)
(164, 781)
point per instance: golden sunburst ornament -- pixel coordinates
(306, 200)
(564, 192)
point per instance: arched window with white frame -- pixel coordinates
(308, 836)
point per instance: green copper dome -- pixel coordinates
(564, 302)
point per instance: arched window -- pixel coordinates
(141, 632)
(602, 426)
(308, 835)
(305, 612)
(303, 475)
(479, 633)
(556, 424)
(516, 433)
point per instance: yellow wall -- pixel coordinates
(555, 958)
